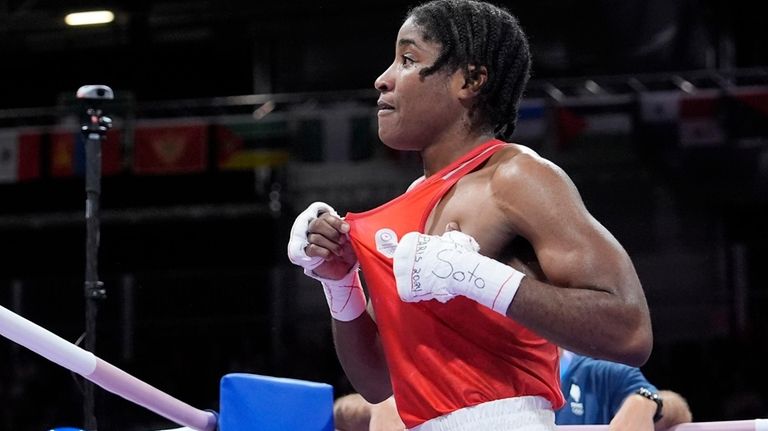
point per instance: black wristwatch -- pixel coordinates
(656, 398)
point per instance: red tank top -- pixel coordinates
(443, 357)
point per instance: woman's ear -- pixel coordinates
(475, 78)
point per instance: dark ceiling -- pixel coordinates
(200, 48)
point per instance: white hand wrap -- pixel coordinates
(345, 296)
(298, 241)
(442, 267)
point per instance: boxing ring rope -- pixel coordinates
(80, 361)
(102, 373)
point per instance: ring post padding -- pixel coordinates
(264, 403)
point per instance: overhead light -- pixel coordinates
(90, 17)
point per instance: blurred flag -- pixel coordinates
(592, 117)
(62, 153)
(700, 119)
(746, 115)
(657, 127)
(660, 106)
(243, 146)
(68, 154)
(170, 149)
(19, 156)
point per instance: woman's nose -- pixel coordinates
(384, 81)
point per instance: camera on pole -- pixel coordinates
(95, 127)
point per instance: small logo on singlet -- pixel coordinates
(577, 407)
(386, 242)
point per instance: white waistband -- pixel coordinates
(509, 414)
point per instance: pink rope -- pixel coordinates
(745, 425)
(109, 377)
(132, 389)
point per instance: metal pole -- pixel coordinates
(94, 129)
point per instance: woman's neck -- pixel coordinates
(440, 154)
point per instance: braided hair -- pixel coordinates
(479, 34)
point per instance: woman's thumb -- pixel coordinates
(452, 226)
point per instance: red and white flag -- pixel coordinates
(19, 156)
(170, 149)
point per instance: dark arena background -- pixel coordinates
(230, 117)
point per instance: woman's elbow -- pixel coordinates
(375, 397)
(638, 344)
(375, 393)
(638, 353)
